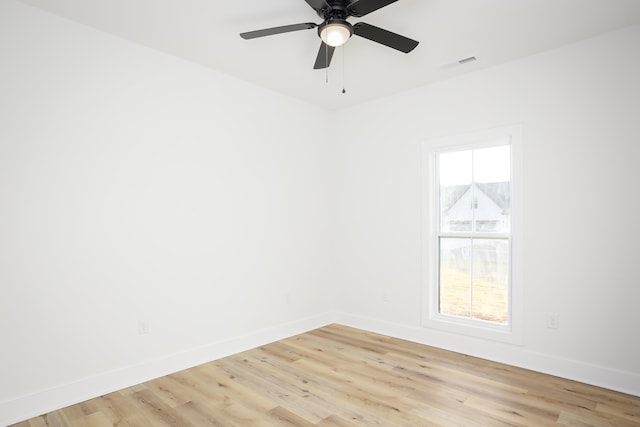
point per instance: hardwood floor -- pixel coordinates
(339, 376)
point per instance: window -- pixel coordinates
(471, 241)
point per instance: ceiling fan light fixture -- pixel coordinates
(336, 34)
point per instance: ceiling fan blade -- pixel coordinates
(318, 5)
(323, 60)
(277, 30)
(387, 38)
(360, 8)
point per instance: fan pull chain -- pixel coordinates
(343, 89)
(326, 62)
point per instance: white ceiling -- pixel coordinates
(206, 32)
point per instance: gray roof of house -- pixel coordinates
(499, 192)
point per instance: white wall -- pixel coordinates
(579, 107)
(136, 186)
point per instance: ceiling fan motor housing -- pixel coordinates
(337, 9)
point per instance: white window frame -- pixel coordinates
(512, 332)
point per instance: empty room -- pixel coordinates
(319, 212)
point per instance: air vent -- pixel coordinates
(459, 62)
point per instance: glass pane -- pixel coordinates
(455, 276)
(455, 177)
(492, 189)
(491, 280)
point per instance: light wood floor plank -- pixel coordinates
(97, 419)
(200, 414)
(336, 421)
(284, 417)
(343, 377)
(629, 412)
(121, 409)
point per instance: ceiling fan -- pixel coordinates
(336, 31)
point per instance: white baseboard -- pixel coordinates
(44, 401)
(625, 382)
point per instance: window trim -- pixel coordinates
(431, 318)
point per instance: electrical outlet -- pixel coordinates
(385, 297)
(143, 327)
(553, 321)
